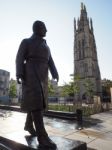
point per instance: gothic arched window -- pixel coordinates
(79, 45)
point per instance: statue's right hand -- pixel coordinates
(20, 79)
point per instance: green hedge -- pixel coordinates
(88, 110)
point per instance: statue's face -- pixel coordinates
(42, 30)
(39, 28)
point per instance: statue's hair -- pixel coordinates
(37, 25)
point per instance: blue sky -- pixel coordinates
(17, 17)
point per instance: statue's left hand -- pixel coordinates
(57, 78)
(20, 80)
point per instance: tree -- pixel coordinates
(67, 89)
(76, 84)
(77, 101)
(12, 89)
(89, 86)
(106, 85)
(72, 88)
(51, 91)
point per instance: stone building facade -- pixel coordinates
(4, 85)
(85, 54)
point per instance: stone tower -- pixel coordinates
(85, 54)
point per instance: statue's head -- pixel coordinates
(39, 28)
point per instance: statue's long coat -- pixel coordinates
(32, 63)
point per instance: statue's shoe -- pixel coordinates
(46, 142)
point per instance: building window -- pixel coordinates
(83, 43)
(79, 45)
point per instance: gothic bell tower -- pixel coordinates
(85, 53)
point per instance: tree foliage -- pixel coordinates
(12, 89)
(106, 85)
(51, 91)
(67, 89)
(89, 86)
(71, 88)
(76, 84)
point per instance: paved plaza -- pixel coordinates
(97, 131)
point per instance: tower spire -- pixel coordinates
(84, 8)
(74, 25)
(83, 18)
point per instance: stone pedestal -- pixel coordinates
(32, 144)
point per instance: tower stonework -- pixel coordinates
(85, 54)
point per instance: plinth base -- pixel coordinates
(32, 144)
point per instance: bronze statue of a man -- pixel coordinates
(32, 63)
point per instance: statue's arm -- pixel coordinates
(20, 58)
(53, 69)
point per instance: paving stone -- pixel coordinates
(81, 137)
(62, 144)
(100, 144)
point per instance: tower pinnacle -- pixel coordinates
(74, 25)
(81, 6)
(91, 23)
